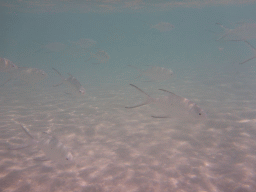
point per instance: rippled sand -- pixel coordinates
(118, 149)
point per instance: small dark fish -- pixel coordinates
(254, 52)
(71, 80)
(53, 149)
(171, 104)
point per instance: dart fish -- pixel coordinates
(173, 103)
(52, 147)
(72, 80)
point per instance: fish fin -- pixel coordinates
(26, 131)
(173, 94)
(63, 79)
(160, 116)
(225, 28)
(250, 45)
(19, 147)
(145, 103)
(140, 90)
(248, 60)
(57, 71)
(149, 99)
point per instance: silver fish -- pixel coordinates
(163, 26)
(244, 31)
(52, 147)
(28, 75)
(172, 103)
(155, 73)
(7, 66)
(71, 80)
(101, 56)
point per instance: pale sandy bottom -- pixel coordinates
(119, 149)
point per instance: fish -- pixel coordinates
(163, 26)
(53, 149)
(26, 74)
(71, 80)
(171, 104)
(54, 47)
(254, 51)
(155, 73)
(83, 43)
(101, 56)
(244, 31)
(31, 75)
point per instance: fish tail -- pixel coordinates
(63, 79)
(148, 100)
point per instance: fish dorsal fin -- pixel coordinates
(57, 71)
(140, 90)
(149, 99)
(177, 96)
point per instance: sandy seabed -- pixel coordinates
(119, 149)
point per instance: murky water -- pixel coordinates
(115, 148)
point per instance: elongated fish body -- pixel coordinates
(52, 147)
(71, 80)
(172, 104)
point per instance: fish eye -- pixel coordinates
(199, 114)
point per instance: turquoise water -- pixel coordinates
(106, 46)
